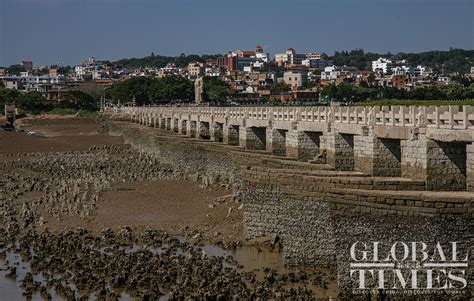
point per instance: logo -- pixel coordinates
(409, 267)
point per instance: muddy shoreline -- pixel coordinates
(70, 193)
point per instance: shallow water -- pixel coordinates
(249, 256)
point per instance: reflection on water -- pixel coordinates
(10, 289)
(246, 258)
(258, 260)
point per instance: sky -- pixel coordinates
(68, 31)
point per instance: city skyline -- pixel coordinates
(69, 31)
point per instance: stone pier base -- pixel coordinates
(276, 141)
(217, 132)
(377, 156)
(340, 152)
(303, 145)
(253, 138)
(231, 135)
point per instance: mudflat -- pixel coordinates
(70, 191)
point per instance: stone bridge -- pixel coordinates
(322, 178)
(430, 144)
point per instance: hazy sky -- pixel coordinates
(48, 31)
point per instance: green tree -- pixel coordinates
(215, 89)
(15, 69)
(78, 100)
(137, 87)
(280, 88)
(329, 91)
(468, 92)
(33, 102)
(455, 92)
(170, 88)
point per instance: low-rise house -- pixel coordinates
(334, 72)
(381, 64)
(295, 79)
(195, 69)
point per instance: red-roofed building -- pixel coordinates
(243, 59)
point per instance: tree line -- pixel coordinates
(349, 93)
(448, 61)
(151, 91)
(452, 60)
(34, 102)
(160, 61)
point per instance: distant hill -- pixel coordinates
(161, 61)
(453, 60)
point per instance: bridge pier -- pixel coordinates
(217, 132)
(149, 121)
(276, 141)
(175, 126)
(162, 123)
(182, 127)
(340, 150)
(204, 130)
(377, 156)
(444, 166)
(193, 128)
(303, 145)
(253, 138)
(429, 144)
(231, 135)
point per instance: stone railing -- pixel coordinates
(443, 117)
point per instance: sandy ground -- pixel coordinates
(179, 207)
(54, 135)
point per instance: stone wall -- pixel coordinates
(204, 130)
(253, 138)
(303, 145)
(387, 157)
(316, 217)
(364, 154)
(307, 237)
(231, 135)
(217, 132)
(276, 141)
(340, 152)
(176, 125)
(193, 159)
(184, 127)
(366, 196)
(193, 129)
(446, 166)
(414, 156)
(377, 156)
